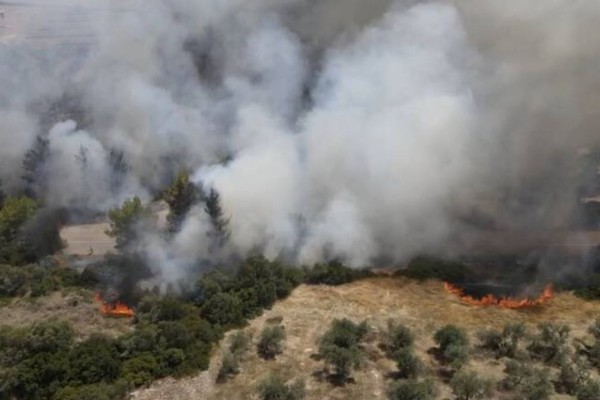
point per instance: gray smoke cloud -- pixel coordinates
(364, 131)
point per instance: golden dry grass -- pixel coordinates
(308, 312)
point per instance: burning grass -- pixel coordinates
(114, 309)
(502, 302)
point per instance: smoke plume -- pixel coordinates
(363, 131)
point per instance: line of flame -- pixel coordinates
(503, 302)
(116, 309)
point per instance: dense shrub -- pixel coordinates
(14, 214)
(423, 268)
(341, 347)
(470, 386)
(334, 273)
(271, 342)
(274, 388)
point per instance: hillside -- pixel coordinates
(307, 313)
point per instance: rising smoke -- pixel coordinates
(357, 130)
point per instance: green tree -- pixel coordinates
(217, 218)
(94, 360)
(453, 344)
(126, 220)
(223, 309)
(230, 367)
(505, 343)
(397, 337)
(180, 196)
(271, 341)
(470, 386)
(33, 167)
(14, 214)
(408, 364)
(341, 347)
(550, 343)
(413, 390)
(274, 388)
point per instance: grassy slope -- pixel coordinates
(309, 310)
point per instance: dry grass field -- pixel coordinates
(307, 313)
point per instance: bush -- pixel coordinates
(94, 360)
(408, 364)
(223, 309)
(274, 388)
(397, 338)
(239, 343)
(505, 343)
(270, 343)
(590, 390)
(453, 344)
(15, 212)
(341, 347)
(469, 386)
(334, 273)
(230, 366)
(573, 374)
(594, 329)
(413, 390)
(537, 385)
(141, 369)
(550, 343)
(516, 373)
(423, 268)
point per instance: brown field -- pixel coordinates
(308, 311)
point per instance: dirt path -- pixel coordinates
(87, 240)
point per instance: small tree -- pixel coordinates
(217, 218)
(537, 386)
(239, 343)
(15, 213)
(33, 164)
(271, 342)
(453, 344)
(590, 390)
(469, 386)
(397, 338)
(413, 390)
(126, 220)
(274, 388)
(408, 364)
(229, 367)
(550, 343)
(505, 343)
(118, 169)
(341, 346)
(573, 374)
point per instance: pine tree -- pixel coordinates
(33, 162)
(180, 196)
(217, 219)
(118, 169)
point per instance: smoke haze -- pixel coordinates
(364, 131)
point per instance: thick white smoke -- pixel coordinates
(358, 130)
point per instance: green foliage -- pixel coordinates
(218, 220)
(180, 196)
(423, 268)
(271, 341)
(594, 329)
(14, 214)
(397, 338)
(341, 347)
(412, 390)
(33, 164)
(453, 344)
(549, 345)
(573, 374)
(126, 220)
(223, 309)
(239, 343)
(470, 386)
(505, 343)
(141, 369)
(334, 273)
(537, 385)
(230, 367)
(99, 391)
(408, 364)
(590, 390)
(274, 388)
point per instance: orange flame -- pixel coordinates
(503, 302)
(116, 309)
